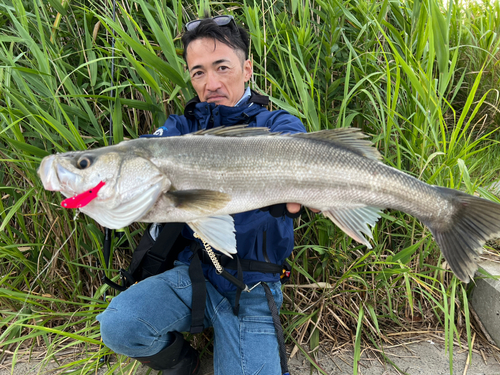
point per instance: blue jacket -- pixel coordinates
(259, 236)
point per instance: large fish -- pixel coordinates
(203, 178)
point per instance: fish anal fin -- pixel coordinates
(351, 139)
(217, 231)
(355, 221)
(199, 200)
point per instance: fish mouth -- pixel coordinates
(68, 180)
(48, 175)
(57, 178)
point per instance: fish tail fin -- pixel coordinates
(474, 221)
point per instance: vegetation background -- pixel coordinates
(420, 76)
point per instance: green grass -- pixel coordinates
(420, 78)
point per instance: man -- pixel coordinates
(144, 322)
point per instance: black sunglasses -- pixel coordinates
(219, 20)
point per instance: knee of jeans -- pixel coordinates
(125, 333)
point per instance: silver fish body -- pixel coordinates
(252, 172)
(203, 178)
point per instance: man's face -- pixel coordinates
(218, 72)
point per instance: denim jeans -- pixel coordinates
(137, 322)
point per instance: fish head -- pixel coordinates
(132, 183)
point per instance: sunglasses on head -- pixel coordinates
(219, 20)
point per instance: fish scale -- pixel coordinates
(203, 178)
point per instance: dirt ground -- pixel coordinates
(416, 357)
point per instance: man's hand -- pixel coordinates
(293, 208)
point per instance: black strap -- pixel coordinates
(162, 246)
(277, 327)
(112, 284)
(199, 295)
(158, 252)
(197, 277)
(239, 289)
(198, 281)
(247, 265)
(237, 281)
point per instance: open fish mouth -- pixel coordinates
(48, 175)
(68, 180)
(57, 178)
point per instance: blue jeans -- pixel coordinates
(137, 322)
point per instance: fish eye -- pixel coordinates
(83, 162)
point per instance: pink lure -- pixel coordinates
(81, 200)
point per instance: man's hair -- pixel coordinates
(231, 35)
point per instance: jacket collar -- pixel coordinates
(255, 98)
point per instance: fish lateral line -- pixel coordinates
(82, 199)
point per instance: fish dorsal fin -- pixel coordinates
(351, 139)
(199, 200)
(234, 131)
(354, 221)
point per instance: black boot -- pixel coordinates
(179, 358)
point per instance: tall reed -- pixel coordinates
(418, 76)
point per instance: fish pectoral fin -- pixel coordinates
(355, 221)
(217, 231)
(199, 200)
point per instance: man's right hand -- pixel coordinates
(293, 208)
